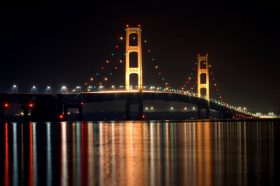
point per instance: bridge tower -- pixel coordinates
(203, 76)
(133, 49)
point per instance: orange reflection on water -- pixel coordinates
(134, 154)
(76, 158)
(90, 151)
(203, 153)
(63, 154)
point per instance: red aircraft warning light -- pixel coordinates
(61, 116)
(6, 105)
(30, 105)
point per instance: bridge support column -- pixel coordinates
(139, 104)
(133, 49)
(81, 113)
(25, 114)
(1, 110)
(203, 70)
(127, 110)
(221, 115)
(140, 110)
(59, 104)
(198, 111)
(65, 112)
(207, 112)
(2, 118)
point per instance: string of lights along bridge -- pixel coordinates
(99, 87)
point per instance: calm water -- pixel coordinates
(140, 153)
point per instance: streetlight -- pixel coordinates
(89, 88)
(14, 88)
(101, 87)
(48, 90)
(34, 89)
(78, 89)
(63, 89)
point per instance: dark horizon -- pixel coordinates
(56, 45)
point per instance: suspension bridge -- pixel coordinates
(50, 106)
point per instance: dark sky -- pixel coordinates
(56, 44)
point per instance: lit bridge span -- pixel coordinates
(50, 107)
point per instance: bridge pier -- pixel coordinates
(59, 104)
(198, 111)
(2, 113)
(127, 110)
(221, 115)
(207, 112)
(75, 106)
(140, 110)
(25, 113)
(2, 116)
(81, 113)
(139, 103)
(65, 112)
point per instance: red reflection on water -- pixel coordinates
(90, 154)
(7, 176)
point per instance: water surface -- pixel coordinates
(139, 153)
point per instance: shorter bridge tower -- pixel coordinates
(133, 49)
(203, 76)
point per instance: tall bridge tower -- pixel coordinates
(133, 49)
(203, 88)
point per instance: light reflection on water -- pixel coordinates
(139, 153)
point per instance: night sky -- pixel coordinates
(55, 44)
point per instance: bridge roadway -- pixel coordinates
(49, 106)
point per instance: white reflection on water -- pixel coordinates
(76, 145)
(15, 155)
(49, 155)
